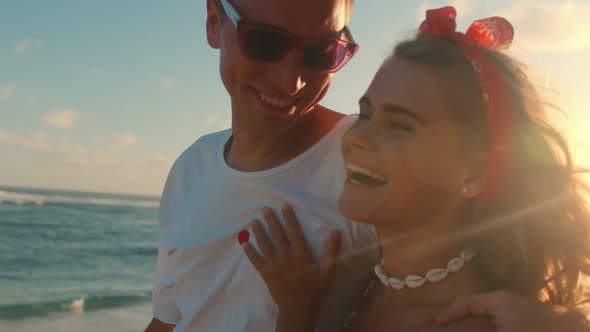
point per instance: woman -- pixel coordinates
(468, 186)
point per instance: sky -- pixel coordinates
(104, 95)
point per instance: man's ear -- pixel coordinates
(213, 24)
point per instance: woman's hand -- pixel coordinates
(511, 313)
(296, 282)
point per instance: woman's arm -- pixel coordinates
(510, 312)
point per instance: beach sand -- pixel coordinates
(128, 319)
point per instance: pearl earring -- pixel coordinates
(465, 191)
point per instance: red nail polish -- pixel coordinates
(243, 236)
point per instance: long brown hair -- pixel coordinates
(534, 237)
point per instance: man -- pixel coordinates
(277, 59)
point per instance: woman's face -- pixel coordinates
(403, 155)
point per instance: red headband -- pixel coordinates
(494, 33)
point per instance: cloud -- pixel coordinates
(61, 118)
(67, 152)
(66, 164)
(550, 25)
(123, 141)
(62, 151)
(214, 123)
(79, 156)
(6, 92)
(37, 141)
(158, 162)
(161, 160)
(23, 46)
(71, 153)
(167, 82)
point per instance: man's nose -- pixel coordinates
(287, 74)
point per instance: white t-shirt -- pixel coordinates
(204, 281)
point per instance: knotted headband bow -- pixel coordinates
(495, 34)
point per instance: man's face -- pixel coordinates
(269, 95)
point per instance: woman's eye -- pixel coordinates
(400, 126)
(364, 115)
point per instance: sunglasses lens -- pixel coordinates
(265, 45)
(326, 55)
(271, 45)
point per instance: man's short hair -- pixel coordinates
(349, 5)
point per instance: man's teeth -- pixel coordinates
(367, 172)
(276, 101)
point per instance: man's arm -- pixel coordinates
(159, 326)
(164, 305)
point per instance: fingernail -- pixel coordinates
(286, 207)
(266, 211)
(243, 236)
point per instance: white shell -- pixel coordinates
(468, 255)
(413, 281)
(396, 283)
(380, 274)
(455, 264)
(434, 275)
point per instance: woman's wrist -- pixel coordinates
(299, 318)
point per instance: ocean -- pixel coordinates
(71, 258)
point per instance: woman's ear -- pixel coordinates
(213, 24)
(474, 179)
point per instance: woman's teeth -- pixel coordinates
(365, 173)
(276, 101)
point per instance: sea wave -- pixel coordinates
(8, 197)
(74, 305)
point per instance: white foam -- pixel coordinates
(77, 306)
(133, 318)
(40, 199)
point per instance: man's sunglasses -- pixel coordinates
(267, 44)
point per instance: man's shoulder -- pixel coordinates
(327, 110)
(328, 118)
(206, 143)
(205, 147)
(200, 156)
(328, 145)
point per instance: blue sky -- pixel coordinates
(103, 96)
